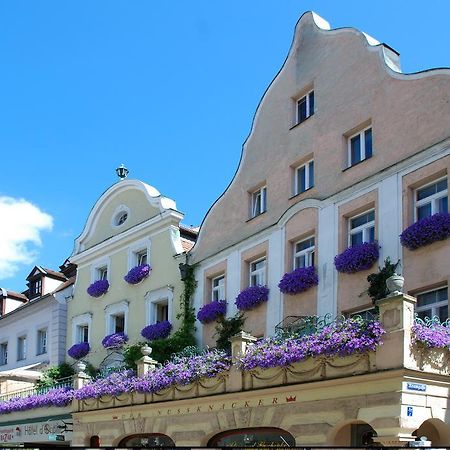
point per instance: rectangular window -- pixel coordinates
(259, 201)
(3, 353)
(304, 253)
(21, 348)
(42, 341)
(433, 303)
(162, 311)
(118, 323)
(218, 288)
(258, 272)
(362, 228)
(360, 146)
(141, 257)
(36, 288)
(431, 199)
(305, 107)
(83, 333)
(102, 273)
(304, 177)
(366, 314)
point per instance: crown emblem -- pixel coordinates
(292, 398)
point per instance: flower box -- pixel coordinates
(211, 311)
(137, 274)
(299, 280)
(251, 297)
(358, 257)
(426, 231)
(158, 330)
(98, 288)
(115, 340)
(78, 351)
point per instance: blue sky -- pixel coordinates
(168, 88)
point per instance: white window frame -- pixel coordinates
(433, 306)
(134, 250)
(97, 266)
(364, 228)
(42, 341)
(81, 333)
(308, 183)
(81, 321)
(153, 299)
(433, 199)
(259, 274)
(362, 140)
(309, 112)
(117, 214)
(3, 353)
(22, 347)
(259, 201)
(116, 309)
(307, 252)
(218, 288)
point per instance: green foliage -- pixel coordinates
(131, 353)
(377, 281)
(227, 328)
(53, 374)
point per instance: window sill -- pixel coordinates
(299, 123)
(300, 193)
(356, 164)
(255, 217)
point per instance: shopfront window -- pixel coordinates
(253, 437)
(148, 440)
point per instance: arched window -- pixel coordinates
(253, 437)
(147, 440)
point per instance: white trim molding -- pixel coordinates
(113, 310)
(82, 319)
(152, 298)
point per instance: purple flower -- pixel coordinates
(340, 338)
(426, 231)
(115, 340)
(137, 274)
(298, 280)
(78, 351)
(159, 330)
(358, 257)
(211, 311)
(431, 335)
(98, 288)
(251, 297)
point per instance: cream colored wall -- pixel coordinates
(352, 86)
(140, 210)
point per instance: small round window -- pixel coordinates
(120, 218)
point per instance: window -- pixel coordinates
(259, 201)
(102, 273)
(431, 199)
(433, 303)
(305, 107)
(3, 353)
(162, 311)
(21, 348)
(35, 288)
(258, 273)
(304, 253)
(42, 341)
(366, 314)
(117, 323)
(82, 333)
(121, 218)
(159, 305)
(218, 288)
(360, 146)
(362, 228)
(141, 257)
(304, 177)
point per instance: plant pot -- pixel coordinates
(395, 284)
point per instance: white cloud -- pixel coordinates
(21, 223)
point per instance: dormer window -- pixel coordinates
(36, 288)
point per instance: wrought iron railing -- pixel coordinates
(63, 382)
(431, 321)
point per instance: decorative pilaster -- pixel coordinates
(239, 344)
(146, 363)
(81, 377)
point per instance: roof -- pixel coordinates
(189, 233)
(187, 244)
(16, 296)
(66, 284)
(47, 272)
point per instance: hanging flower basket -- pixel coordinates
(78, 351)
(98, 288)
(115, 340)
(137, 274)
(211, 311)
(299, 280)
(251, 297)
(158, 330)
(358, 257)
(426, 231)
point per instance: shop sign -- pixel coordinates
(36, 431)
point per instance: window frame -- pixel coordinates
(82, 334)
(219, 289)
(3, 353)
(308, 252)
(308, 184)
(433, 198)
(363, 150)
(155, 298)
(433, 306)
(115, 310)
(309, 110)
(257, 272)
(364, 227)
(78, 322)
(22, 347)
(35, 288)
(42, 341)
(259, 201)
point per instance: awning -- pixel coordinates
(23, 373)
